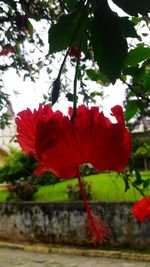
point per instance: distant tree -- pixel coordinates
(19, 166)
(141, 150)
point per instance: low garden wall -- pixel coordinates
(64, 223)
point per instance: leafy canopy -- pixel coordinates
(90, 25)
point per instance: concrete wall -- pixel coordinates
(64, 223)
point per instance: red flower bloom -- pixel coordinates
(141, 209)
(60, 145)
(7, 51)
(74, 51)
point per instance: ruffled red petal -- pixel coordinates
(61, 145)
(26, 128)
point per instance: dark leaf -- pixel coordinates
(68, 30)
(147, 81)
(136, 20)
(142, 105)
(95, 93)
(30, 28)
(69, 97)
(84, 46)
(138, 180)
(130, 94)
(137, 55)
(55, 91)
(97, 76)
(128, 27)
(108, 42)
(146, 183)
(134, 7)
(94, 75)
(127, 187)
(71, 4)
(131, 71)
(145, 34)
(131, 109)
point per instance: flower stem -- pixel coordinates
(63, 63)
(75, 82)
(75, 87)
(88, 210)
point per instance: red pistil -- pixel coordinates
(98, 229)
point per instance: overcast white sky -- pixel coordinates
(31, 94)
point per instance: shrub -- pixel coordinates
(19, 165)
(74, 192)
(22, 190)
(46, 179)
(87, 169)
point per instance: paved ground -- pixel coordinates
(21, 258)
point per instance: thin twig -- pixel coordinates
(134, 91)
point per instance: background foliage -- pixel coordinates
(19, 166)
(113, 43)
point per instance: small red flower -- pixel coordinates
(141, 209)
(7, 51)
(74, 51)
(60, 145)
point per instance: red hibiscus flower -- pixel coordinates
(141, 209)
(74, 51)
(60, 145)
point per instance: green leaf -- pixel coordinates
(97, 76)
(95, 93)
(127, 186)
(138, 180)
(128, 28)
(70, 97)
(125, 178)
(147, 80)
(68, 30)
(131, 109)
(136, 20)
(71, 4)
(131, 71)
(108, 42)
(146, 183)
(134, 7)
(55, 91)
(137, 55)
(30, 28)
(84, 46)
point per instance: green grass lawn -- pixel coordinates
(3, 195)
(105, 187)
